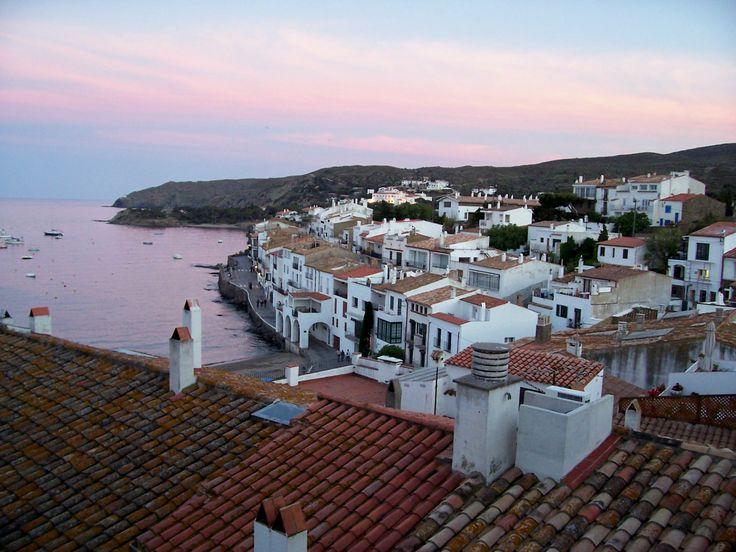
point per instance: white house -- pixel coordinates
(699, 277)
(329, 222)
(445, 253)
(623, 251)
(458, 208)
(395, 196)
(547, 236)
(684, 209)
(602, 190)
(503, 215)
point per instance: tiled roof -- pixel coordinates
(433, 244)
(643, 496)
(94, 449)
(548, 223)
(548, 368)
(650, 178)
(731, 254)
(607, 182)
(624, 241)
(613, 273)
(437, 295)
(498, 263)
(480, 298)
(449, 318)
(681, 197)
(363, 478)
(376, 239)
(358, 272)
(317, 296)
(410, 283)
(520, 201)
(716, 230)
(350, 387)
(718, 437)
(415, 237)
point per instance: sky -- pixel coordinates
(101, 98)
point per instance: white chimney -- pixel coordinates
(632, 416)
(279, 528)
(580, 264)
(487, 414)
(192, 319)
(442, 238)
(40, 320)
(393, 275)
(453, 292)
(521, 258)
(603, 178)
(483, 311)
(181, 360)
(574, 347)
(580, 179)
(292, 375)
(503, 257)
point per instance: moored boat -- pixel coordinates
(30, 274)
(53, 232)
(178, 256)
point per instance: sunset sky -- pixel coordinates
(100, 98)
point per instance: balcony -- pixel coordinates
(413, 263)
(341, 293)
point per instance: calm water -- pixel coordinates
(105, 288)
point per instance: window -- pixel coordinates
(562, 311)
(390, 332)
(355, 302)
(703, 296)
(702, 251)
(668, 208)
(508, 339)
(391, 303)
(438, 338)
(601, 251)
(448, 204)
(541, 240)
(483, 280)
(398, 306)
(626, 253)
(449, 342)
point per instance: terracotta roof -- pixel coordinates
(449, 318)
(520, 201)
(376, 239)
(317, 296)
(607, 182)
(718, 437)
(479, 298)
(415, 237)
(618, 388)
(731, 254)
(95, 449)
(549, 223)
(624, 241)
(716, 230)
(358, 272)
(410, 283)
(39, 311)
(652, 178)
(637, 495)
(363, 478)
(433, 244)
(498, 263)
(681, 197)
(613, 273)
(437, 295)
(349, 386)
(548, 368)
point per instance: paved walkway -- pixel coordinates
(243, 276)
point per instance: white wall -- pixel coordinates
(611, 254)
(704, 383)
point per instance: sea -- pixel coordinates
(105, 288)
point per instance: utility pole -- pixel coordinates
(633, 233)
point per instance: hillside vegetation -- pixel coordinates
(714, 165)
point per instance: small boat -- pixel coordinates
(12, 240)
(26, 257)
(147, 243)
(53, 233)
(30, 274)
(178, 256)
(219, 241)
(158, 233)
(34, 249)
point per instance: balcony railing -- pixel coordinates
(413, 263)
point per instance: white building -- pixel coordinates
(445, 253)
(370, 238)
(394, 196)
(585, 298)
(459, 208)
(329, 222)
(700, 276)
(503, 215)
(547, 236)
(426, 184)
(623, 251)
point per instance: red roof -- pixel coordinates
(363, 476)
(482, 298)
(376, 239)
(730, 254)
(716, 230)
(681, 197)
(310, 295)
(349, 386)
(624, 241)
(358, 272)
(40, 311)
(548, 368)
(614, 273)
(449, 318)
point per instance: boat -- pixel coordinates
(53, 233)
(178, 256)
(34, 249)
(26, 257)
(12, 240)
(30, 274)
(219, 241)
(158, 233)
(57, 237)
(147, 243)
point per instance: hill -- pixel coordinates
(714, 165)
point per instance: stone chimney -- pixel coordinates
(487, 414)
(40, 320)
(192, 319)
(181, 360)
(544, 329)
(279, 528)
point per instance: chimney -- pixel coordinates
(453, 292)
(632, 416)
(443, 235)
(580, 264)
(192, 319)
(521, 258)
(292, 375)
(279, 528)
(181, 360)
(640, 319)
(487, 414)
(574, 347)
(603, 178)
(483, 311)
(503, 257)
(544, 329)
(622, 329)
(580, 179)
(40, 320)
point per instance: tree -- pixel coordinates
(507, 237)
(366, 329)
(630, 222)
(392, 351)
(661, 246)
(603, 236)
(569, 251)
